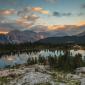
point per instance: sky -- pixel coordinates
(52, 14)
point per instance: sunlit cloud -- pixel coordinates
(28, 16)
(56, 27)
(37, 9)
(66, 27)
(39, 28)
(7, 12)
(40, 10)
(44, 12)
(27, 21)
(10, 26)
(3, 32)
(24, 23)
(81, 23)
(31, 17)
(31, 10)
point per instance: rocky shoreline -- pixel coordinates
(39, 75)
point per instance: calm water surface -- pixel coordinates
(22, 58)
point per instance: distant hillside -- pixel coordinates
(54, 33)
(4, 39)
(17, 36)
(66, 39)
(81, 34)
(53, 37)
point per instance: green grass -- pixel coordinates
(4, 80)
(44, 83)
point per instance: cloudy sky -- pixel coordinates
(43, 14)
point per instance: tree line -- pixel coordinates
(66, 62)
(10, 47)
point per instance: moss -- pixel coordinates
(44, 83)
(3, 80)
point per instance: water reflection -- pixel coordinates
(82, 52)
(22, 58)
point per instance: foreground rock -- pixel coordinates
(82, 81)
(39, 75)
(32, 78)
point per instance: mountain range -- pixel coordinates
(4, 38)
(17, 36)
(63, 40)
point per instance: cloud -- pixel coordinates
(32, 17)
(7, 12)
(74, 29)
(56, 27)
(2, 18)
(61, 27)
(81, 14)
(83, 6)
(7, 25)
(24, 23)
(50, 30)
(26, 18)
(81, 23)
(25, 11)
(40, 10)
(39, 28)
(51, 1)
(3, 32)
(69, 29)
(10, 26)
(58, 14)
(31, 10)
(27, 21)
(44, 12)
(28, 15)
(68, 14)
(76, 26)
(37, 9)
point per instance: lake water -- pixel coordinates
(12, 60)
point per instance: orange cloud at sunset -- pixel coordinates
(21, 20)
(3, 32)
(27, 21)
(65, 27)
(40, 10)
(24, 22)
(56, 27)
(44, 12)
(7, 12)
(37, 9)
(81, 23)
